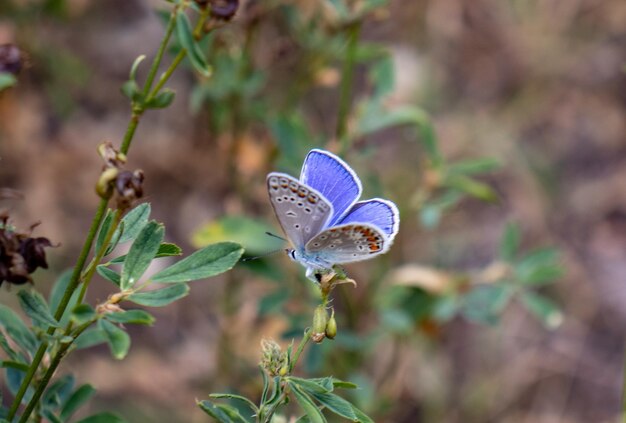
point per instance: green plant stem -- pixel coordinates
(97, 220)
(74, 280)
(50, 372)
(296, 356)
(347, 77)
(197, 33)
(159, 55)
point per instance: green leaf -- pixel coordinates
(76, 400)
(90, 338)
(141, 253)
(135, 66)
(336, 383)
(542, 257)
(307, 404)
(104, 228)
(166, 249)
(543, 308)
(541, 275)
(473, 167)
(238, 398)
(510, 242)
(4, 344)
(138, 317)
(83, 313)
(221, 412)
(102, 418)
(58, 289)
(108, 274)
(7, 80)
(17, 330)
(133, 222)
(161, 100)
(307, 385)
(160, 297)
(58, 391)
(186, 38)
(382, 75)
(34, 305)
(131, 90)
(50, 416)
(250, 233)
(336, 404)
(117, 338)
(9, 364)
(471, 187)
(361, 416)
(209, 261)
(484, 303)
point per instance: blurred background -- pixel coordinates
(459, 322)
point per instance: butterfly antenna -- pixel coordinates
(261, 256)
(275, 236)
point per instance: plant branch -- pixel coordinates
(347, 77)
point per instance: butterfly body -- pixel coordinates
(322, 219)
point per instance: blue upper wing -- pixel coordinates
(378, 212)
(332, 178)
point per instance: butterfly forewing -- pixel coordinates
(348, 243)
(301, 210)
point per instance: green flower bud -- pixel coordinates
(273, 359)
(320, 319)
(331, 327)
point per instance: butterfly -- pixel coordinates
(322, 218)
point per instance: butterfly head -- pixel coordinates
(291, 253)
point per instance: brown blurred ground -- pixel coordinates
(540, 85)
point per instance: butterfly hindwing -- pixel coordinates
(301, 210)
(348, 243)
(380, 213)
(332, 178)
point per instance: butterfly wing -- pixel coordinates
(301, 211)
(334, 179)
(383, 214)
(348, 243)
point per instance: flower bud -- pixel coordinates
(273, 359)
(331, 327)
(104, 186)
(320, 319)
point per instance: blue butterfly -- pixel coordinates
(322, 219)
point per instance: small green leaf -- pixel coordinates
(108, 274)
(307, 385)
(83, 313)
(90, 338)
(510, 242)
(76, 400)
(238, 398)
(307, 404)
(135, 66)
(17, 330)
(36, 308)
(9, 364)
(541, 257)
(484, 303)
(58, 289)
(4, 344)
(161, 100)
(543, 308)
(104, 228)
(50, 416)
(131, 90)
(361, 416)
(166, 249)
(187, 40)
(160, 297)
(141, 253)
(7, 80)
(102, 418)
(117, 338)
(209, 261)
(541, 275)
(336, 404)
(138, 317)
(134, 221)
(473, 167)
(221, 412)
(471, 187)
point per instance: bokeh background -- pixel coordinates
(537, 85)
